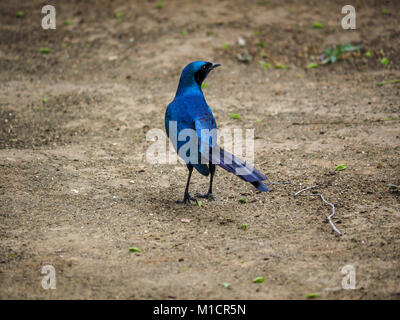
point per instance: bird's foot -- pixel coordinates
(207, 195)
(186, 199)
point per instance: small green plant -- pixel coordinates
(331, 55)
(199, 203)
(68, 22)
(263, 54)
(312, 296)
(266, 65)
(394, 187)
(385, 11)
(44, 50)
(45, 100)
(312, 65)
(256, 32)
(244, 226)
(226, 285)
(242, 200)
(340, 167)
(261, 44)
(184, 32)
(384, 61)
(258, 280)
(234, 115)
(134, 249)
(159, 5)
(204, 85)
(225, 46)
(318, 25)
(368, 53)
(280, 66)
(20, 14)
(119, 16)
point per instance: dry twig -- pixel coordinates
(329, 218)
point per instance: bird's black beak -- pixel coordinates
(214, 65)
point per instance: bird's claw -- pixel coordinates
(186, 199)
(208, 196)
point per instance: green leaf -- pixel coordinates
(204, 85)
(199, 203)
(394, 187)
(385, 61)
(242, 200)
(281, 66)
(350, 47)
(234, 115)
(368, 53)
(134, 249)
(227, 285)
(258, 280)
(318, 25)
(340, 167)
(44, 50)
(244, 226)
(312, 295)
(312, 65)
(266, 65)
(44, 100)
(388, 82)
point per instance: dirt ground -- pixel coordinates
(76, 191)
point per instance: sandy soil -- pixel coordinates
(77, 193)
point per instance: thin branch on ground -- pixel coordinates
(279, 182)
(329, 218)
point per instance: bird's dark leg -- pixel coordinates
(187, 198)
(209, 194)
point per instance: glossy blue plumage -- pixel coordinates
(190, 111)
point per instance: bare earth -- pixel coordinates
(77, 193)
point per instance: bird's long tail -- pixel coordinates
(239, 168)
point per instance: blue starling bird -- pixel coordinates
(190, 111)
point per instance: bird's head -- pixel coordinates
(194, 74)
